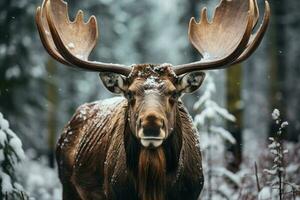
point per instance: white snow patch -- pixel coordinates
(16, 144)
(48, 33)
(224, 134)
(106, 106)
(275, 114)
(3, 137)
(1, 155)
(292, 168)
(6, 184)
(71, 45)
(79, 56)
(235, 178)
(284, 124)
(40, 181)
(13, 72)
(4, 124)
(265, 194)
(152, 82)
(9, 140)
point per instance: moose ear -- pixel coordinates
(115, 83)
(190, 82)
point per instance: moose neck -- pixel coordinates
(150, 167)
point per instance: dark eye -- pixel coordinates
(174, 95)
(130, 95)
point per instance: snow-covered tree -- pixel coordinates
(39, 180)
(21, 176)
(210, 121)
(11, 153)
(279, 183)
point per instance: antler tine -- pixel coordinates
(256, 14)
(75, 40)
(256, 38)
(45, 35)
(223, 40)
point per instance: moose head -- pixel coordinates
(152, 92)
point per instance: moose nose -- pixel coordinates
(151, 124)
(151, 131)
(152, 120)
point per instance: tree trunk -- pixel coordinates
(289, 19)
(52, 97)
(234, 107)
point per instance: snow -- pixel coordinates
(275, 114)
(207, 56)
(1, 156)
(164, 66)
(265, 194)
(270, 171)
(13, 72)
(211, 110)
(292, 168)
(40, 181)
(224, 133)
(224, 113)
(210, 121)
(11, 153)
(3, 137)
(106, 106)
(6, 183)
(111, 101)
(4, 124)
(152, 82)
(284, 124)
(210, 89)
(71, 45)
(2, 49)
(16, 144)
(206, 96)
(47, 33)
(80, 56)
(236, 179)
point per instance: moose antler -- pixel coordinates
(71, 42)
(228, 39)
(225, 41)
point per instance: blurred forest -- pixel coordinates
(38, 95)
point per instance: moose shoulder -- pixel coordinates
(102, 157)
(142, 145)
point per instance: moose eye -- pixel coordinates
(174, 95)
(130, 95)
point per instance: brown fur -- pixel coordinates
(100, 157)
(152, 174)
(109, 170)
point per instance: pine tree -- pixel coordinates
(11, 153)
(209, 121)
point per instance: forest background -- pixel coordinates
(38, 95)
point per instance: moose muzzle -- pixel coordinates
(151, 129)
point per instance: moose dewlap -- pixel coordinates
(142, 145)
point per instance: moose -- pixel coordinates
(142, 145)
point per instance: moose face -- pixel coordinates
(152, 93)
